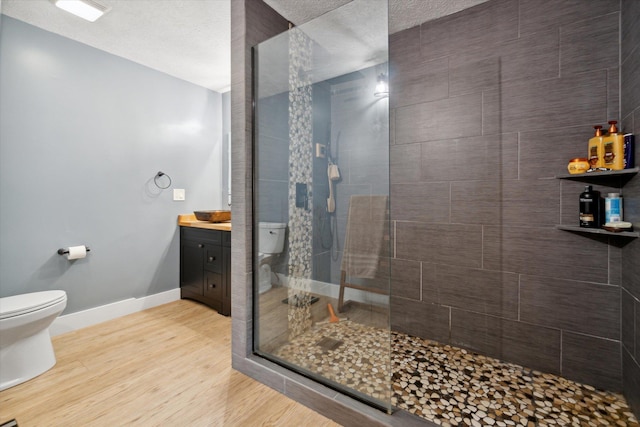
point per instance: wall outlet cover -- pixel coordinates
(178, 194)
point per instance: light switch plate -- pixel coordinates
(178, 194)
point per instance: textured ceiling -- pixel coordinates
(403, 14)
(190, 39)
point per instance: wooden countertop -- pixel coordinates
(190, 220)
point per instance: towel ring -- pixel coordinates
(158, 176)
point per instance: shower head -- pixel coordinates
(333, 172)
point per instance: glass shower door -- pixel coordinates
(321, 201)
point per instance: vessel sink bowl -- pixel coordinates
(213, 216)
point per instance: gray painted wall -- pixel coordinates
(630, 293)
(82, 134)
(483, 122)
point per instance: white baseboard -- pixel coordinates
(92, 316)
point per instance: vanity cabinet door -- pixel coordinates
(191, 267)
(213, 288)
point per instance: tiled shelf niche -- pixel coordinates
(625, 175)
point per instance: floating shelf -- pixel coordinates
(596, 175)
(575, 228)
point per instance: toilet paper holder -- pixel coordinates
(63, 251)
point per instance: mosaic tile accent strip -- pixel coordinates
(451, 386)
(300, 171)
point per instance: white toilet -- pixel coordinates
(25, 344)
(270, 243)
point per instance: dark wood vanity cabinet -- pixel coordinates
(205, 267)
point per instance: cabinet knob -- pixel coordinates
(212, 285)
(200, 245)
(212, 258)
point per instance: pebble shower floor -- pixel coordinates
(448, 385)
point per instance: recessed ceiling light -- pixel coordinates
(85, 9)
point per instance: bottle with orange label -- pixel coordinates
(595, 154)
(613, 148)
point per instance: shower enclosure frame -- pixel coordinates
(385, 407)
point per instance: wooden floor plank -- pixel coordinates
(169, 365)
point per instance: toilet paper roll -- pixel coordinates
(77, 252)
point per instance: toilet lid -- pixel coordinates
(25, 303)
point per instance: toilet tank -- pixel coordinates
(271, 237)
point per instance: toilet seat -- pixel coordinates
(18, 305)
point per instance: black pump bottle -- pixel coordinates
(590, 216)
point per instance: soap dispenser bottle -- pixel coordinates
(596, 150)
(613, 148)
(590, 208)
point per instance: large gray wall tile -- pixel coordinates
(529, 345)
(541, 15)
(424, 202)
(492, 157)
(613, 97)
(447, 118)
(430, 283)
(415, 80)
(420, 319)
(261, 23)
(532, 57)
(583, 307)
(526, 106)
(476, 202)
(467, 30)
(545, 252)
(482, 291)
(579, 41)
(630, 69)
(403, 46)
(628, 318)
(508, 202)
(405, 163)
(439, 243)
(565, 143)
(405, 279)
(592, 360)
(630, 16)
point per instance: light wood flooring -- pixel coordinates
(166, 366)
